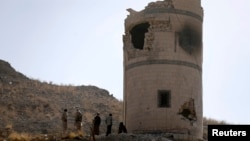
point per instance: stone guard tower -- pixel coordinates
(163, 68)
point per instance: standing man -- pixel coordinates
(97, 122)
(109, 124)
(64, 119)
(78, 120)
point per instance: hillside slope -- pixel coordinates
(35, 107)
(32, 106)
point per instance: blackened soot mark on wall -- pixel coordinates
(189, 38)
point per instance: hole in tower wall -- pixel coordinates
(187, 110)
(138, 35)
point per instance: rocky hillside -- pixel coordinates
(32, 106)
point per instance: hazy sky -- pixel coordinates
(79, 42)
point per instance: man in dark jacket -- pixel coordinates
(64, 120)
(122, 128)
(97, 122)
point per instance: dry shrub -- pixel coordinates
(14, 136)
(27, 137)
(8, 126)
(73, 135)
(37, 138)
(210, 121)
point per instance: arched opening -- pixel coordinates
(138, 34)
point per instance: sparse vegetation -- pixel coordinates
(207, 121)
(19, 137)
(35, 107)
(31, 110)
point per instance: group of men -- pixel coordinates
(96, 123)
(109, 123)
(78, 120)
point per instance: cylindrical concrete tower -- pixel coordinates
(163, 68)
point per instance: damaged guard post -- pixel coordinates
(162, 47)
